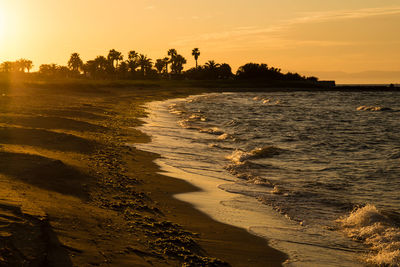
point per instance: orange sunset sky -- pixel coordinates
(324, 38)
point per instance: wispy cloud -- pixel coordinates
(150, 7)
(273, 33)
(344, 14)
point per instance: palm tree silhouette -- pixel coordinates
(133, 58)
(177, 64)
(172, 53)
(160, 65)
(116, 56)
(144, 63)
(196, 54)
(101, 65)
(75, 63)
(211, 65)
(28, 65)
(166, 62)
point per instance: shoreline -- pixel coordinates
(234, 245)
(240, 210)
(87, 199)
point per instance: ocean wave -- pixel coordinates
(213, 130)
(278, 190)
(239, 156)
(395, 155)
(186, 124)
(269, 100)
(219, 146)
(378, 230)
(197, 117)
(233, 122)
(244, 169)
(259, 181)
(224, 136)
(373, 108)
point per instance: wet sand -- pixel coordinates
(73, 194)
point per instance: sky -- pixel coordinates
(328, 38)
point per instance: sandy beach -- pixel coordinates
(73, 194)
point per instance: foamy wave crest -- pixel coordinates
(372, 108)
(239, 156)
(259, 181)
(224, 136)
(377, 230)
(197, 117)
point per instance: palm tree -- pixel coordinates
(123, 68)
(177, 64)
(132, 55)
(116, 56)
(19, 65)
(211, 69)
(196, 54)
(90, 68)
(225, 71)
(144, 63)
(28, 64)
(75, 63)
(166, 62)
(133, 58)
(101, 65)
(160, 65)
(211, 65)
(172, 53)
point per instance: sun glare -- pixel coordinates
(2, 24)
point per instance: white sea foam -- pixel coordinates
(259, 181)
(239, 156)
(376, 230)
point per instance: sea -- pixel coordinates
(317, 174)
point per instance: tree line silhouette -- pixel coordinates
(139, 66)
